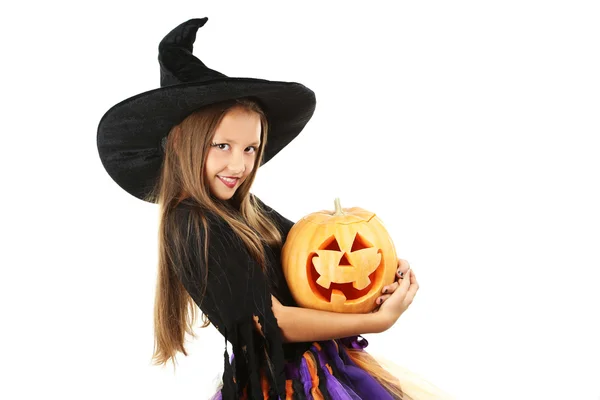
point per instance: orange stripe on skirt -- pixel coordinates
(264, 383)
(312, 369)
(289, 390)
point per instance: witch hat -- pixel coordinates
(131, 134)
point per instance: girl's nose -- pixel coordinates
(236, 165)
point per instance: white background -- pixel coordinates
(469, 127)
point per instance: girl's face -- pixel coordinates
(232, 154)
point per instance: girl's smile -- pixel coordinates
(229, 182)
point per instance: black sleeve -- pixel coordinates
(235, 293)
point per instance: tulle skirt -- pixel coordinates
(327, 371)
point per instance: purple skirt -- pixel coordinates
(325, 371)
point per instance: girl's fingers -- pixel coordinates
(409, 284)
(405, 283)
(389, 289)
(403, 265)
(379, 301)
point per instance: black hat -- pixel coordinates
(131, 134)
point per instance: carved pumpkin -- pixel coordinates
(339, 261)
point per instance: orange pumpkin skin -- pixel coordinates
(339, 260)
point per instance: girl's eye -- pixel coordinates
(251, 149)
(221, 146)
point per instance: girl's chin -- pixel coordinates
(224, 193)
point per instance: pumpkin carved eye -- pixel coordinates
(338, 261)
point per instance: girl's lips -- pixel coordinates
(229, 182)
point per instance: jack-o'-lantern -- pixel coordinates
(339, 260)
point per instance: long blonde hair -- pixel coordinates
(181, 177)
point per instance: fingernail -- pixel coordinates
(378, 301)
(385, 290)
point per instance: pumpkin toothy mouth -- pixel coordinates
(338, 292)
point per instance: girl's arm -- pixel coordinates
(306, 325)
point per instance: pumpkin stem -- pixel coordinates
(338, 207)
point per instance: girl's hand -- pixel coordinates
(402, 294)
(387, 291)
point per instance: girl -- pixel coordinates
(194, 146)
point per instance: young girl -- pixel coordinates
(194, 146)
